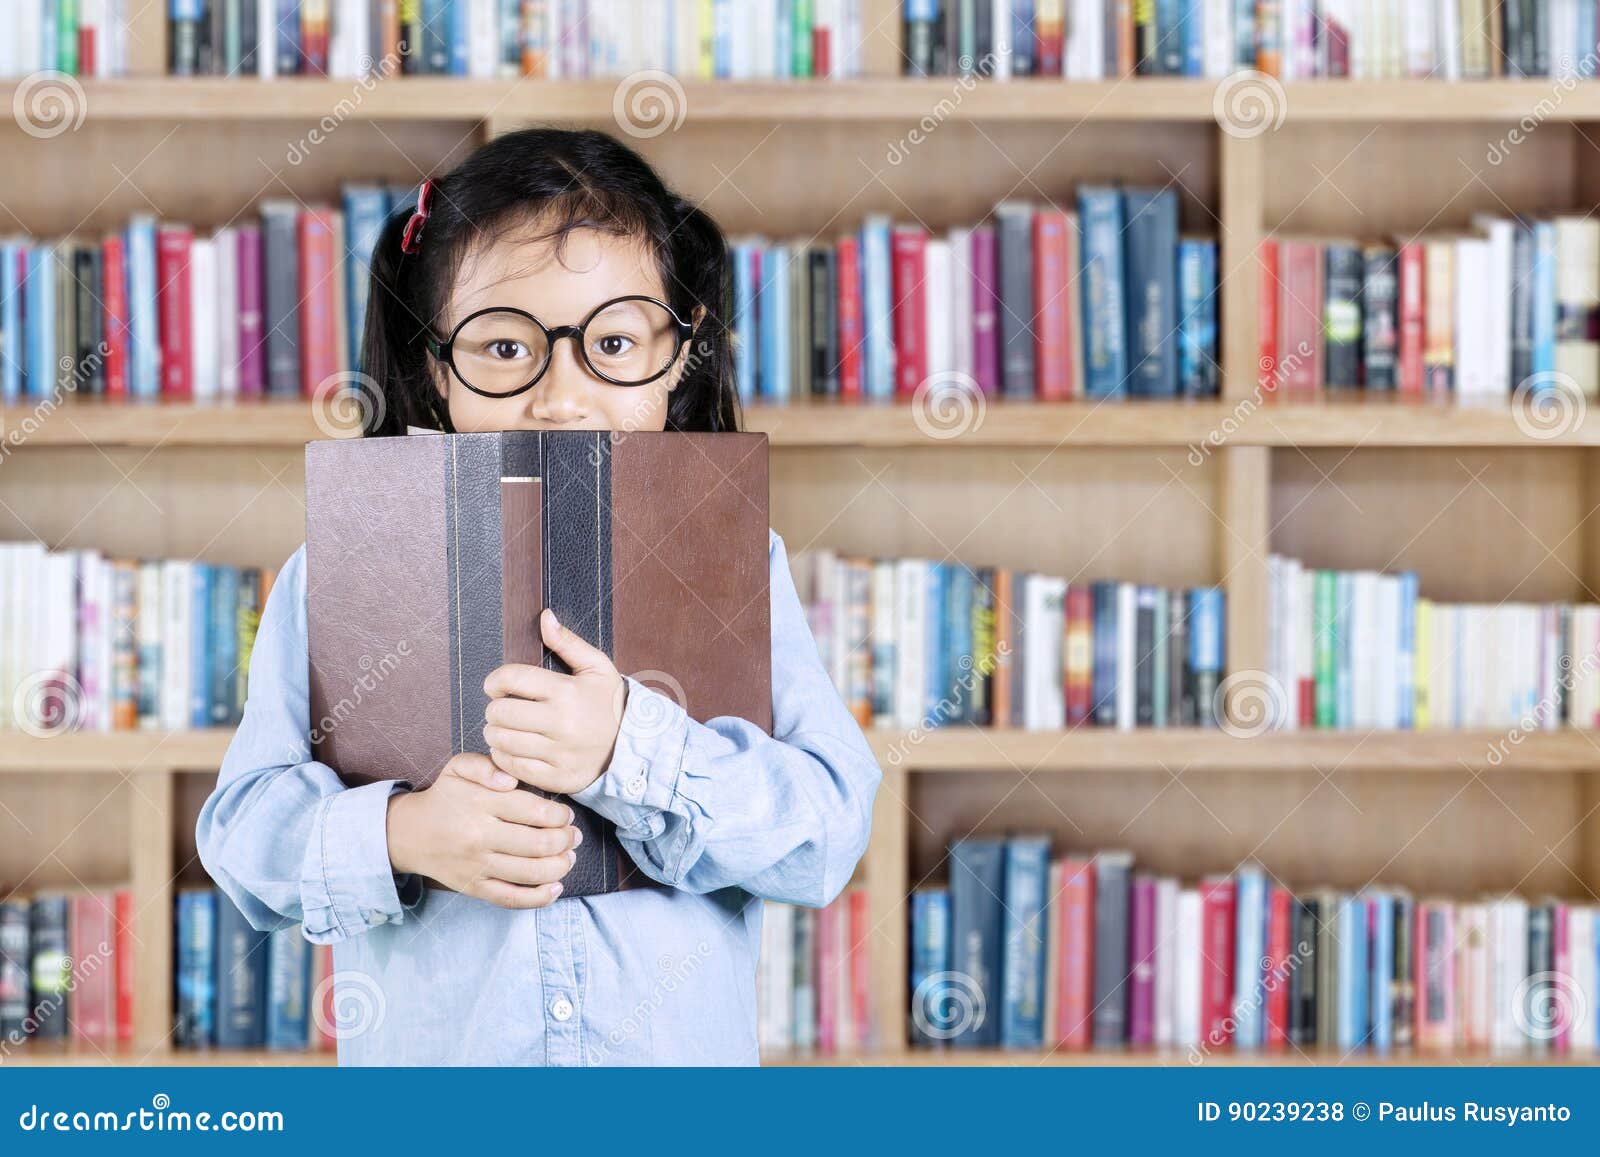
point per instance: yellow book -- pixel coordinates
(1423, 647)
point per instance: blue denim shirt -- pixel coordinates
(720, 811)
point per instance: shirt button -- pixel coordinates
(636, 785)
(561, 1009)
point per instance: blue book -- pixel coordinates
(876, 284)
(774, 307)
(1544, 297)
(50, 36)
(434, 58)
(1170, 50)
(1351, 1001)
(1022, 59)
(1583, 51)
(1344, 691)
(41, 320)
(288, 47)
(935, 656)
(1103, 639)
(722, 39)
(288, 989)
(958, 682)
(783, 31)
(977, 881)
(1026, 906)
(223, 629)
(1207, 650)
(930, 960)
(1250, 946)
(365, 209)
(196, 934)
(1406, 676)
(200, 645)
(1105, 347)
(1197, 326)
(1382, 982)
(1150, 291)
(144, 360)
(1194, 38)
(459, 26)
(1244, 34)
(241, 986)
(746, 333)
(11, 336)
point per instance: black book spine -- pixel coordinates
(1104, 649)
(1023, 56)
(281, 254)
(983, 37)
(15, 960)
(241, 982)
(1379, 322)
(1303, 980)
(921, 39)
(977, 881)
(983, 643)
(824, 325)
(184, 47)
(213, 48)
(1521, 305)
(1541, 960)
(1405, 981)
(51, 968)
(1111, 884)
(249, 61)
(1014, 238)
(1144, 642)
(1180, 696)
(1537, 42)
(1342, 316)
(1146, 61)
(84, 342)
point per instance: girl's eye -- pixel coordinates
(506, 350)
(614, 345)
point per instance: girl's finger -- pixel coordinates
(539, 773)
(514, 895)
(523, 681)
(534, 811)
(576, 652)
(479, 769)
(522, 840)
(530, 872)
(516, 741)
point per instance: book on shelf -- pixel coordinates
(1358, 650)
(240, 988)
(471, 536)
(914, 643)
(1482, 316)
(39, 37)
(120, 644)
(813, 986)
(1293, 40)
(547, 39)
(1238, 961)
(1036, 302)
(66, 967)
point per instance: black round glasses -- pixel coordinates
(500, 352)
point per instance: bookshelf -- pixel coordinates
(1175, 493)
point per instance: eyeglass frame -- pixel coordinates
(443, 351)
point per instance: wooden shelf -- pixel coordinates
(1173, 1058)
(1207, 427)
(970, 749)
(886, 99)
(50, 1055)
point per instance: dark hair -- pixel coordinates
(560, 180)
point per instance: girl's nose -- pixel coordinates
(562, 394)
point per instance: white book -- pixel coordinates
(775, 993)
(1385, 675)
(884, 660)
(29, 37)
(1305, 652)
(1444, 704)
(1561, 33)
(1364, 650)
(1581, 927)
(1509, 942)
(1501, 232)
(1085, 57)
(227, 307)
(203, 312)
(1419, 34)
(1043, 706)
(11, 617)
(1000, 38)
(1218, 50)
(1475, 375)
(1277, 620)
(104, 649)
(1127, 658)
(57, 590)
(936, 309)
(92, 614)
(175, 602)
(1186, 1002)
(960, 305)
(1293, 612)
(1447, 39)
(911, 581)
(764, 62)
(1166, 986)
(483, 38)
(150, 657)
(1473, 968)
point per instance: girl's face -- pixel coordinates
(593, 268)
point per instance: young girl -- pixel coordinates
(575, 230)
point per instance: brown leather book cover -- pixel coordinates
(429, 559)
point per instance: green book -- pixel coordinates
(1325, 619)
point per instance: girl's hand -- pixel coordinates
(552, 731)
(473, 831)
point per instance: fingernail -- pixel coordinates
(577, 836)
(555, 890)
(572, 857)
(572, 816)
(554, 622)
(504, 779)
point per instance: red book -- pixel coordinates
(1216, 961)
(92, 1006)
(319, 331)
(1052, 365)
(1142, 962)
(123, 954)
(1433, 951)
(860, 972)
(1267, 317)
(322, 1008)
(1413, 319)
(252, 342)
(908, 248)
(985, 310)
(821, 52)
(1075, 999)
(1079, 654)
(172, 275)
(1300, 316)
(828, 977)
(1561, 958)
(847, 268)
(1048, 45)
(86, 50)
(114, 300)
(1280, 909)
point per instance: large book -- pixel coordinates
(51, 965)
(1026, 903)
(977, 882)
(15, 967)
(429, 559)
(1150, 245)
(930, 962)
(241, 988)
(1112, 910)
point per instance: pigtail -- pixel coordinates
(706, 397)
(394, 358)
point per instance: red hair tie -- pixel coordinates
(411, 239)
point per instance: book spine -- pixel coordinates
(51, 979)
(1413, 320)
(977, 869)
(15, 968)
(1076, 913)
(1281, 961)
(114, 317)
(1112, 886)
(1104, 318)
(174, 278)
(849, 322)
(1151, 243)
(1052, 367)
(910, 310)
(1142, 964)
(1379, 326)
(1216, 962)
(1014, 242)
(1342, 316)
(930, 960)
(1027, 866)
(241, 984)
(123, 955)
(985, 310)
